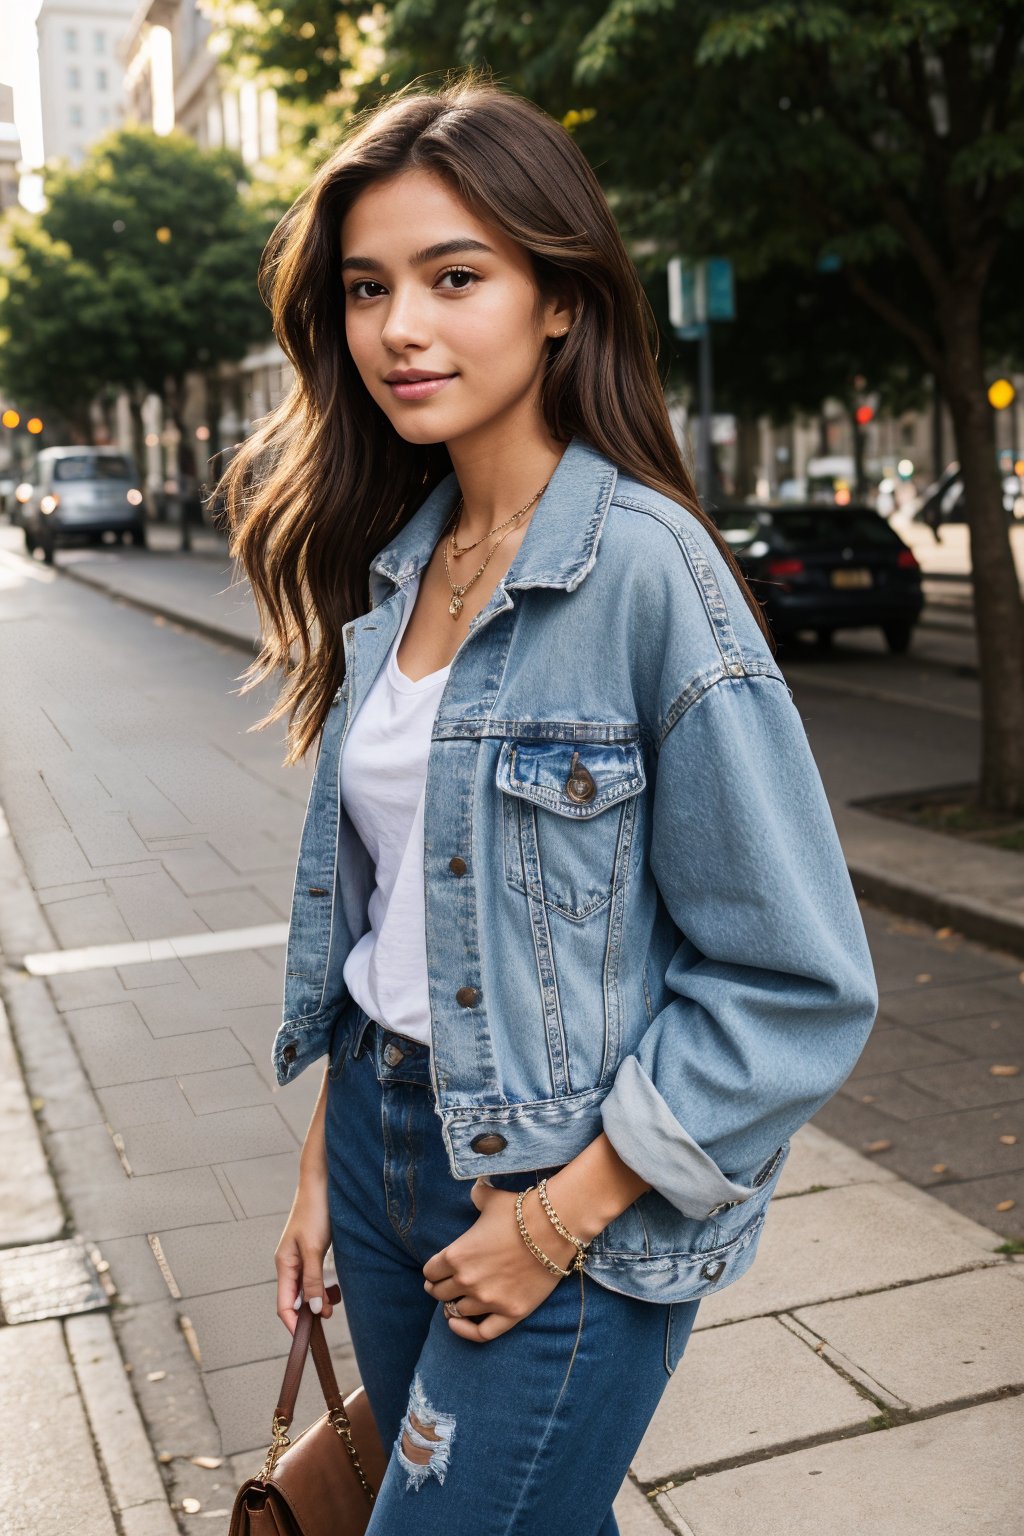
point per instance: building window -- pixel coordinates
(75, 115)
(74, 77)
(101, 80)
(71, 39)
(99, 41)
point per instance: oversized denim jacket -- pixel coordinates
(638, 915)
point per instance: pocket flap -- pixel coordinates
(602, 773)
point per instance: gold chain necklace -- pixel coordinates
(459, 590)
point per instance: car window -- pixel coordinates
(88, 466)
(805, 528)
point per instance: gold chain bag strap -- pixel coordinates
(323, 1482)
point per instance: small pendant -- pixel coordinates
(455, 606)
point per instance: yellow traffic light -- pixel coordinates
(1001, 394)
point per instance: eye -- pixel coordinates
(462, 278)
(353, 289)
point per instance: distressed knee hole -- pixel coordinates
(424, 1443)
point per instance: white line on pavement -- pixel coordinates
(865, 691)
(140, 951)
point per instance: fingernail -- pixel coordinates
(316, 1304)
(297, 1303)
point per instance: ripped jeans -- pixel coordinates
(529, 1433)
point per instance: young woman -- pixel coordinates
(570, 905)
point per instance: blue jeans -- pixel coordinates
(530, 1432)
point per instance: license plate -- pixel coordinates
(851, 578)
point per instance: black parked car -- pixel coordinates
(825, 568)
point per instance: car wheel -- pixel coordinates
(47, 545)
(824, 638)
(897, 637)
(30, 541)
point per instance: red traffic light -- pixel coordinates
(864, 414)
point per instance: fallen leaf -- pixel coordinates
(191, 1506)
(924, 976)
(155, 1375)
(939, 1167)
(996, 1024)
(1006, 1205)
(165, 1457)
(944, 933)
(1008, 1141)
(37, 1104)
(867, 1098)
(877, 1146)
(820, 1346)
(207, 1461)
(1004, 1071)
(129, 1367)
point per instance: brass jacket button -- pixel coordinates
(489, 1143)
(393, 1054)
(466, 996)
(290, 1052)
(579, 786)
(457, 866)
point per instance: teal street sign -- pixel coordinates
(699, 291)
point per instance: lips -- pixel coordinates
(416, 384)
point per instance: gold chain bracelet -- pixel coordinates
(538, 1253)
(552, 1215)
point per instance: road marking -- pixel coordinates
(865, 691)
(56, 962)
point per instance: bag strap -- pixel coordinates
(309, 1333)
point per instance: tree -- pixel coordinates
(157, 252)
(887, 137)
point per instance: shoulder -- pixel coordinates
(674, 566)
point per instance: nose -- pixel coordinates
(405, 325)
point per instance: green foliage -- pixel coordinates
(142, 267)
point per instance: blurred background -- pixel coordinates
(825, 203)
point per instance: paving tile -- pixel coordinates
(945, 1476)
(46, 1472)
(935, 1343)
(904, 948)
(80, 921)
(159, 1098)
(134, 1270)
(256, 1028)
(179, 1009)
(222, 1256)
(204, 1139)
(817, 1159)
(86, 989)
(742, 1390)
(228, 1088)
(198, 870)
(153, 906)
(152, 973)
(970, 1084)
(244, 908)
(242, 1399)
(264, 1185)
(893, 1095)
(241, 1325)
(635, 1514)
(234, 980)
(983, 1033)
(865, 1237)
(966, 1140)
(116, 1047)
(152, 1204)
(978, 1199)
(896, 1049)
(927, 1003)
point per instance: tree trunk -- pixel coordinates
(998, 612)
(175, 407)
(747, 445)
(135, 400)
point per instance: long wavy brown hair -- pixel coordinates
(325, 482)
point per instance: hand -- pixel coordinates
(490, 1271)
(299, 1256)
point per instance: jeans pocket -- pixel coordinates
(678, 1327)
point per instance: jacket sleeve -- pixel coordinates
(771, 989)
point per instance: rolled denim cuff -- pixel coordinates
(650, 1140)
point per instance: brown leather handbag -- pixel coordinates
(324, 1482)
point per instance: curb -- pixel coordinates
(978, 920)
(172, 615)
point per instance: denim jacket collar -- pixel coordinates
(560, 544)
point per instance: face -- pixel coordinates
(443, 316)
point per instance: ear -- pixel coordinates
(560, 311)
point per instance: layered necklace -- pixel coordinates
(453, 547)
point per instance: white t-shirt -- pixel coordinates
(383, 777)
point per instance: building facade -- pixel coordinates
(81, 76)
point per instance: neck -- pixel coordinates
(499, 469)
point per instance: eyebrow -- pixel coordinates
(429, 253)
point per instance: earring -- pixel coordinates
(563, 330)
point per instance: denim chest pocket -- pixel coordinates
(568, 811)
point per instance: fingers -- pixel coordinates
(480, 1333)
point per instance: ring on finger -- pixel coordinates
(451, 1309)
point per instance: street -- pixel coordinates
(142, 808)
